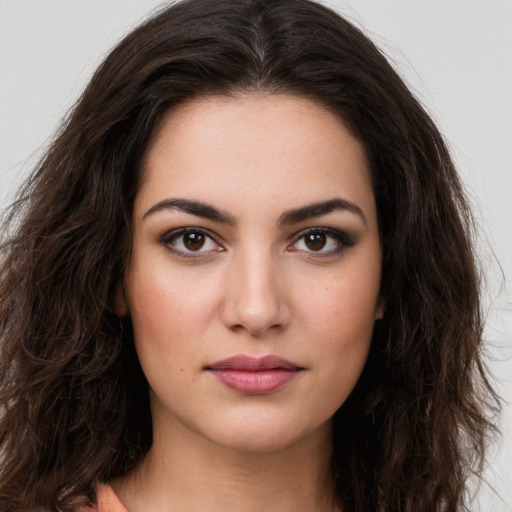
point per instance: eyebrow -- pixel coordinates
(193, 207)
(313, 210)
(207, 211)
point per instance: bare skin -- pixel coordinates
(255, 236)
(204, 478)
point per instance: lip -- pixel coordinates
(254, 376)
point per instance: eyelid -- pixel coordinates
(167, 238)
(344, 240)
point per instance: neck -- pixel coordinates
(185, 471)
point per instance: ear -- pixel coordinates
(120, 304)
(379, 310)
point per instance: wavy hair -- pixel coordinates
(74, 401)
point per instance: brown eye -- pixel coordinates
(189, 241)
(315, 241)
(194, 241)
(322, 242)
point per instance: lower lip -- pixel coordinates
(255, 382)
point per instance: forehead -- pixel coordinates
(255, 147)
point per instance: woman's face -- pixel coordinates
(253, 284)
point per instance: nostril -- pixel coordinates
(237, 327)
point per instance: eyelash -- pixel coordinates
(343, 241)
(170, 237)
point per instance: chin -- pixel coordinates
(258, 444)
(266, 437)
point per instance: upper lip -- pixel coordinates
(254, 364)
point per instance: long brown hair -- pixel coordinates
(73, 397)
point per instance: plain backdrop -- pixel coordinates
(455, 54)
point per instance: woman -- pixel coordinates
(242, 278)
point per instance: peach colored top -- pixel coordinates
(108, 501)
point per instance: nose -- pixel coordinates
(255, 299)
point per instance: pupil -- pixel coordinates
(316, 241)
(193, 241)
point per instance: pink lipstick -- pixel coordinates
(254, 376)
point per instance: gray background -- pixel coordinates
(455, 54)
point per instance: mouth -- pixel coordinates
(254, 376)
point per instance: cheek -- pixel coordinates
(343, 330)
(170, 315)
(344, 309)
(344, 340)
(165, 327)
(340, 316)
(166, 302)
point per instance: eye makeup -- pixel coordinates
(316, 242)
